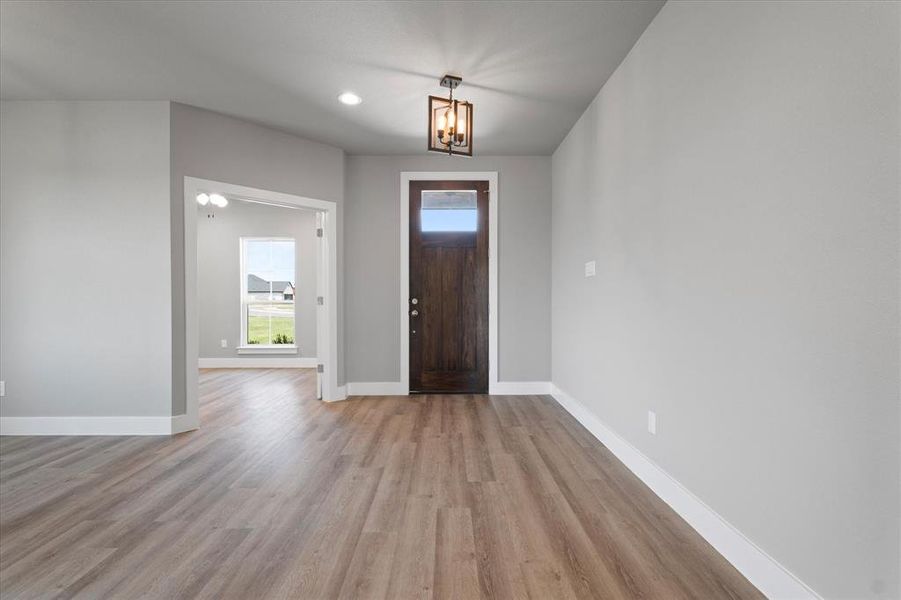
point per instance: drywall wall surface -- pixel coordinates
(736, 182)
(219, 233)
(372, 246)
(85, 311)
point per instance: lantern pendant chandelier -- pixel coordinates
(450, 121)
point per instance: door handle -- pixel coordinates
(414, 313)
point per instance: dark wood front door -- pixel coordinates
(448, 302)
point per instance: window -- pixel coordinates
(267, 291)
(449, 211)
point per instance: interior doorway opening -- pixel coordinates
(282, 308)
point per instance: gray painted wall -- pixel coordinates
(84, 259)
(736, 181)
(219, 272)
(372, 246)
(213, 146)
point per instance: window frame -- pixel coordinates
(244, 347)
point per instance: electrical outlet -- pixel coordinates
(590, 268)
(652, 422)
(2, 388)
(224, 343)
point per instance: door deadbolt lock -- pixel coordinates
(414, 301)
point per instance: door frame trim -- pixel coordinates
(493, 196)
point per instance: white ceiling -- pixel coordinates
(530, 68)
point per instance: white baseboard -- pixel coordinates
(520, 388)
(762, 570)
(375, 388)
(95, 425)
(257, 362)
(182, 423)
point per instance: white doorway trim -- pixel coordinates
(405, 178)
(327, 275)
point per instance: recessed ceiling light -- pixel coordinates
(349, 98)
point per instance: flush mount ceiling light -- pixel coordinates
(215, 199)
(349, 98)
(450, 121)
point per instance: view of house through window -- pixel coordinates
(267, 294)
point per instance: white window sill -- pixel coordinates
(258, 349)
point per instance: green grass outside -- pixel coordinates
(258, 328)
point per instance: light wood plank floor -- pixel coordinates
(282, 496)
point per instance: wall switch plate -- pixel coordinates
(590, 268)
(652, 422)
(225, 343)
(2, 388)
